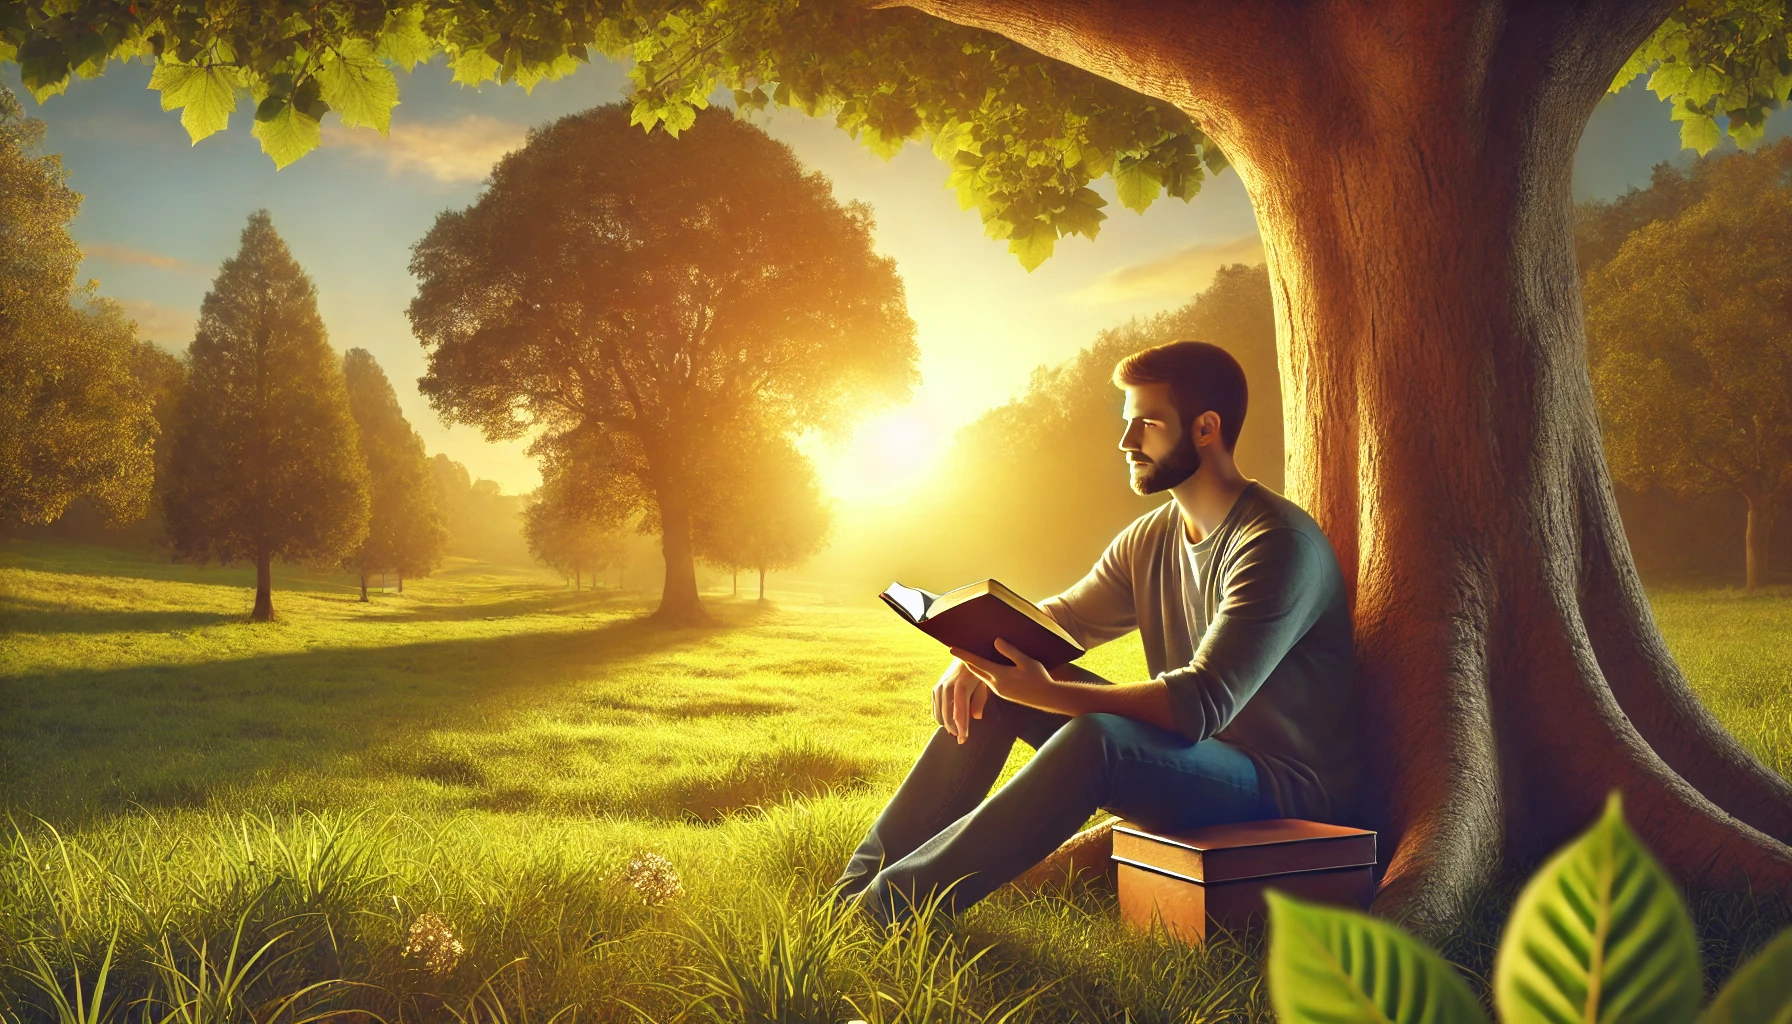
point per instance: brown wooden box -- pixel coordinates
(1214, 877)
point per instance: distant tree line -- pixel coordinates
(1688, 287)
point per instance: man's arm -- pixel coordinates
(1270, 601)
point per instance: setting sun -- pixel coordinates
(883, 458)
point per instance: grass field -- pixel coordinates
(489, 752)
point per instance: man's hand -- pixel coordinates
(1024, 682)
(958, 697)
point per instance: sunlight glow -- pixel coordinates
(885, 458)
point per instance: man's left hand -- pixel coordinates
(1024, 682)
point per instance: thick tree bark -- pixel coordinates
(1410, 163)
(762, 584)
(679, 605)
(401, 583)
(264, 588)
(1755, 537)
(363, 586)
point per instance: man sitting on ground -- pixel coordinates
(1250, 711)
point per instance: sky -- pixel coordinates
(160, 214)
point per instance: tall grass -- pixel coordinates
(433, 808)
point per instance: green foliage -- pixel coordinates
(632, 299)
(761, 508)
(1024, 136)
(75, 419)
(405, 528)
(1760, 992)
(1690, 330)
(1598, 934)
(1333, 965)
(265, 461)
(1718, 59)
(565, 527)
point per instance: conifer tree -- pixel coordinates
(265, 463)
(405, 529)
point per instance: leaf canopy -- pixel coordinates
(1024, 135)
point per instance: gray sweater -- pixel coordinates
(1269, 670)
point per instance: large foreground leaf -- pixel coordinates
(1331, 966)
(1760, 992)
(1599, 936)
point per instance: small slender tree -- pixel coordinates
(75, 420)
(1690, 327)
(405, 531)
(634, 294)
(573, 523)
(266, 462)
(763, 511)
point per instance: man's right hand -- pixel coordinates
(958, 697)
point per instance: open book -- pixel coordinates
(973, 617)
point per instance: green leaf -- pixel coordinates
(1331, 966)
(206, 96)
(1699, 131)
(403, 42)
(1137, 183)
(358, 86)
(1760, 992)
(677, 117)
(1033, 248)
(1599, 935)
(286, 133)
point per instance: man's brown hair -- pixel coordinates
(1202, 378)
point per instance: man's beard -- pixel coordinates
(1179, 465)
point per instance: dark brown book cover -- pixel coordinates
(973, 617)
(1251, 849)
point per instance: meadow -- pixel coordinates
(491, 798)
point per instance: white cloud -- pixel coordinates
(1178, 275)
(463, 149)
(170, 325)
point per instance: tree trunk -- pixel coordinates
(761, 584)
(1756, 535)
(735, 576)
(401, 583)
(1409, 163)
(679, 605)
(363, 586)
(578, 580)
(264, 589)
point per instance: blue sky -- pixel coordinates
(160, 214)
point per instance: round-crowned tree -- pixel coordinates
(764, 510)
(266, 463)
(636, 294)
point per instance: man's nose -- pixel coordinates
(1129, 441)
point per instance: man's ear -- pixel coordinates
(1206, 427)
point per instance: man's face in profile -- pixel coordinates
(1159, 452)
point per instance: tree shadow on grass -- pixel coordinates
(28, 615)
(84, 744)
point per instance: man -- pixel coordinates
(1250, 711)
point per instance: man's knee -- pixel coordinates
(1087, 740)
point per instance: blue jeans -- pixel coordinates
(939, 830)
